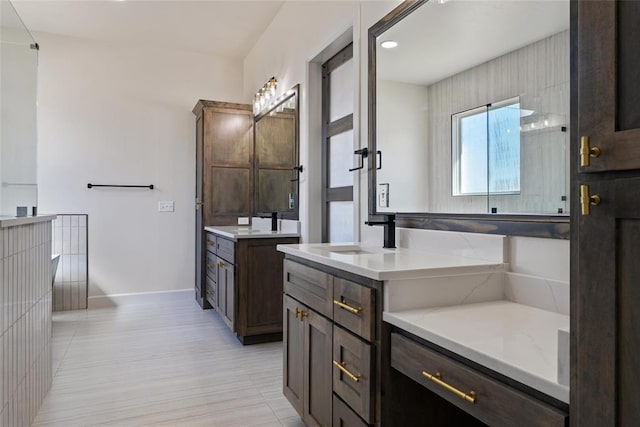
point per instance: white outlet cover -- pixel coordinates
(243, 220)
(166, 206)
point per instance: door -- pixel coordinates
(609, 60)
(318, 342)
(226, 289)
(293, 343)
(605, 282)
(337, 147)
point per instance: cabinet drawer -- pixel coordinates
(352, 372)
(226, 249)
(212, 266)
(343, 416)
(496, 403)
(309, 286)
(353, 307)
(211, 242)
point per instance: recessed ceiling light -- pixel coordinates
(389, 44)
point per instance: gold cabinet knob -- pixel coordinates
(587, 152)
(587, 200)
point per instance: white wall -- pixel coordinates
(114, 114)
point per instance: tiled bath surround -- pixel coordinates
(25, 321)
(70, 242)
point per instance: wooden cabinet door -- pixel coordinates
(318, 342)
(606, 293)
(608, 84)
(605, 252)
(226, 292)
(293, 343)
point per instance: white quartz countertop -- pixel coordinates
(239, 232)
(518, 341)
(388, 264)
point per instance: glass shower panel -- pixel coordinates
(528, 175)
(18, 95)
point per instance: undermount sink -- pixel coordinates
(351, 252)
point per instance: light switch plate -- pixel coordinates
(166, 206)
(383, 195)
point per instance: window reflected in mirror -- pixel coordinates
(472, 108)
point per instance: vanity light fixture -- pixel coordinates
(266, 96)
(389, 44)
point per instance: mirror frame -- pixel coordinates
(545, 226)
(295, 215)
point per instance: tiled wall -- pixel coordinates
(70, 242)
(25, 321)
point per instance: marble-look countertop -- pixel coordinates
(389, 264)
(236, 232)
(12, 221)
(518, 341)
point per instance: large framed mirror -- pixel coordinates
(277, 169)
(469, 109)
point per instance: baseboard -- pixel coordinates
(140, 298)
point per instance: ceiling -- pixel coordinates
(439, 40)
(226, 28)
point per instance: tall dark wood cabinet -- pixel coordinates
(224, 173)
(605, 241)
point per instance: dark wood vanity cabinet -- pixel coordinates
(244, 285)
(331, 342)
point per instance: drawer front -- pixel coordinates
(212, 266)
(309, 286)
(343, 416)
(211, 242)
(496, 403)
(354, 308)
(226, 250)
(352, 372)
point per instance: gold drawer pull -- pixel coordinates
(437, 378)
(220, 264)
(342, 304)
(355, 378)
(587, 200)
(209, 265)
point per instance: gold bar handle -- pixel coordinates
(342, 367)
(209, 265)
(587, 200)
(343, 305)
(587, 152)
(220, 264)
(437, 378)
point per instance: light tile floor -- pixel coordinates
(169, 364)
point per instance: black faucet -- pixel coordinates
(274, 219)
(389, 223)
